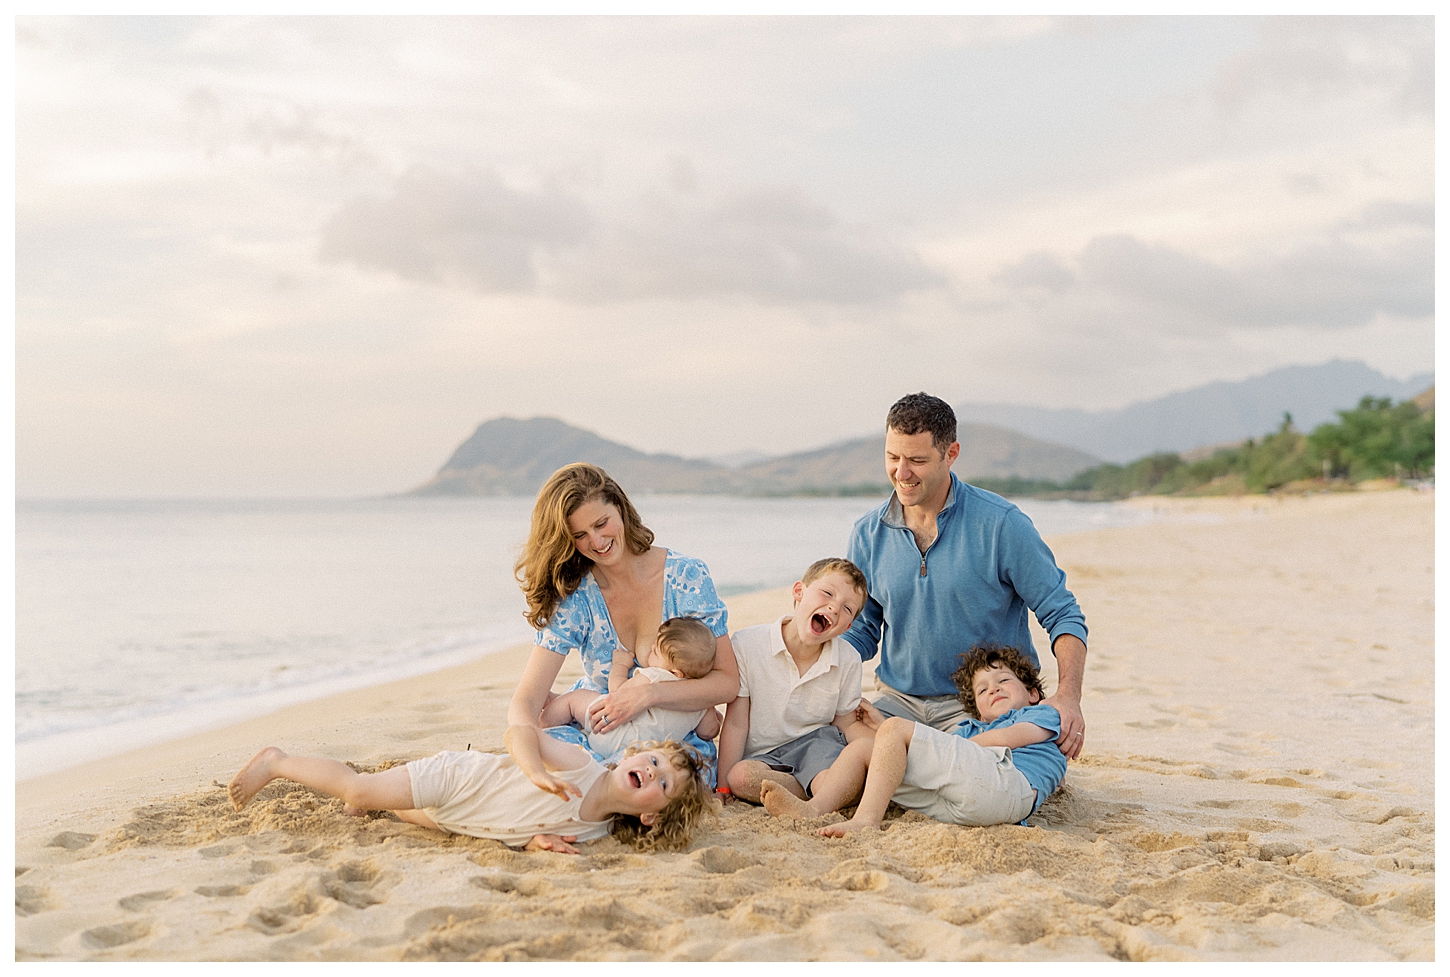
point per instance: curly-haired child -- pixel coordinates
(543, 795)
(995, 768)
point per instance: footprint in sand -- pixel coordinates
(32, 899)
(216, 851)
(524, 885)
(106, 937)
(222, 891)
(722, 861)
(70, 840)
(143, 900)
(352, 883)
(285, 917)
(1246, 750)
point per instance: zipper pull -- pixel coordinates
(923, 564)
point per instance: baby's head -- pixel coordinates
(685, 646)
(995, 679)
(690, 799)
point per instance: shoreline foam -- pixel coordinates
(1236, 800)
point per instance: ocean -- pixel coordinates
(141, 621)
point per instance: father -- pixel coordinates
(951, 566)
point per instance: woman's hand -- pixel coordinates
(617, 708)
(552, 843)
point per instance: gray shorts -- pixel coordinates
(805, 756)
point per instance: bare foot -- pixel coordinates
(253, 777)
(354, 812)
(844, 828)
(781, 803)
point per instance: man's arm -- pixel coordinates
(1014, 736)
(1033, 572)
(864, 634)
(1071, 656)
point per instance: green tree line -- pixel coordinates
(1374, 440)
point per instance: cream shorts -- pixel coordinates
(952, 779)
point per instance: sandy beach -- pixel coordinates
(1258, 784)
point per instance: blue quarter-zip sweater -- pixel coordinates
(973, 584)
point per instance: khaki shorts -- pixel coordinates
(942, 712)
(952, 779)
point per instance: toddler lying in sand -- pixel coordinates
(683, 648)
(543, 795)
(995, 769)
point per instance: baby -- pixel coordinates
(684, 647)
(543, 795)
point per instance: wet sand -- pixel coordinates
(1258, 784)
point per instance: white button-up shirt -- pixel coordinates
(783, 703)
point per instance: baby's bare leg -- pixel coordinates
(832, 789)
(389, 790)
(567, 708)
(888, 767)
(747, 776)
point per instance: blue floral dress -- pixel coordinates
(581, 621)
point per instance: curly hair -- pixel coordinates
(992, 656)
(919, 412)
(550, 567)
(691, 803)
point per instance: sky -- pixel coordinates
(307, 256)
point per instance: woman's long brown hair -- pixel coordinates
(550, 568)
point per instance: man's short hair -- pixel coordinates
(834, 564)
(919, 412)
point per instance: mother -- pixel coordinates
(594, 582)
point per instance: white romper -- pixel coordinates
(652, 724)
(486, 795)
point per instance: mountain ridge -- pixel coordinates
(1214, 413)
(513, 456)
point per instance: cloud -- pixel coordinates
(1383, 214)
(771, 244)
(1329, 283)
(1315, 58)
(468, 228)
(1038, 270)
